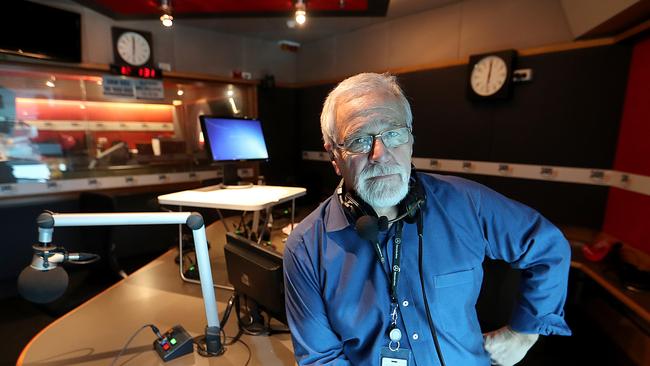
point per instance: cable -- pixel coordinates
(153, 328)
(432, 328)
(236, 339)
(88, 258)
(246, 327)
(250, 354)
(226, 313)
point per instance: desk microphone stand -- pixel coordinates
(47, 221)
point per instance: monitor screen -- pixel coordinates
(233, 139)
(256, 272)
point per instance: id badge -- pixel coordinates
(399, 357)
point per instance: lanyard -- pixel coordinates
(395, 335)
(393, 277)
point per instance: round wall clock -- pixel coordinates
(132, 47)
(490, 75)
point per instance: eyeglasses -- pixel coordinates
(390, 139)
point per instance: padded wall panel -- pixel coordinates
(277, 110)
(445, 124)
(310, 104)
(569, 114)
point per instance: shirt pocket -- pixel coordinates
(454, 279)
(455, 301)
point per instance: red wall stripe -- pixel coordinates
(633, 150)
(627, 216)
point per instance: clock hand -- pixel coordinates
(133, 47)
(487, 84)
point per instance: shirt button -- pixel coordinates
(405, 303)
(415, 336)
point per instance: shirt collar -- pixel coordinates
(335, 219)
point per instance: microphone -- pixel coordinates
(40, 286)
(368, 227)
(43, 281)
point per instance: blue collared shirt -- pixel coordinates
(337, 293)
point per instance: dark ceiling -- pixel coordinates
(151, 9)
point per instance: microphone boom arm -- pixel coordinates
(48, 220)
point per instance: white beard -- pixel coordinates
(382, 193)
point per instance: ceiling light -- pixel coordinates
(301, 13)
(51, 81)
(167, 19)
(180, 92)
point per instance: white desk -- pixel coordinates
(253, 198)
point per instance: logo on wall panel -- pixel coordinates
(124, 87)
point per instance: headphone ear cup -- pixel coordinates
(357, 208)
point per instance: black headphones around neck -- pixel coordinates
(360, 212)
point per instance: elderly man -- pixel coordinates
(387, 270)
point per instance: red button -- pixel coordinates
(166, 346)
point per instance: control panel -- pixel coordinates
(174, 343)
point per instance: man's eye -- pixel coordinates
(391, 134)
(358, 141)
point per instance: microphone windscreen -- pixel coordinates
(42, 287)
(382, 223)
(367, 228)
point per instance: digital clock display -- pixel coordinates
(137, 71)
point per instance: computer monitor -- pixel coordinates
(229, 140)
(256, 272)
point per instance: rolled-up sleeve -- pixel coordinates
(522, 237)
(314, 342)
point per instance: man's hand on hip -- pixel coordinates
(506, 346)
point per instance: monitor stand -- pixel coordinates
(256, 324)
(231, 178)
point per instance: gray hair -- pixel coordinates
(354, 87)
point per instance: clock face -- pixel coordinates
(489, 75)
(133, 48)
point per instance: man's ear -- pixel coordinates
(328, 148)
(336, 166)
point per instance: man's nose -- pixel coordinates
(378, 151)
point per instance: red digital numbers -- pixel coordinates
(141, 72)
(146, 72)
